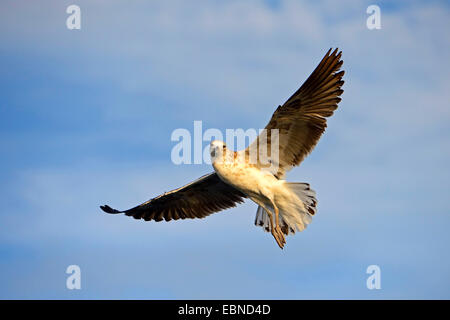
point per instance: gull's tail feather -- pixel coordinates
(108, 209)
(306, 195)
(262, 220)
(295, 214)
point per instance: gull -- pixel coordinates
(294, 130)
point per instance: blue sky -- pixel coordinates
(86, 118)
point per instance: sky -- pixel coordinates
(86, 118)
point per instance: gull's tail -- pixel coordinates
(294, 216)
(306, 195)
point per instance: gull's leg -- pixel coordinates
(277, 225)
(277, 214)
(276, 232)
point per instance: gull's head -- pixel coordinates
(217, 149)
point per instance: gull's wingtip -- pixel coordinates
(108, 209)
(334, 52)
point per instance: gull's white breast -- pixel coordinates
(264, 188)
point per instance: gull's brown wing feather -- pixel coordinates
(197, 199)
(301, 120)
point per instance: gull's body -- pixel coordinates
(275, 197)
(283, 207)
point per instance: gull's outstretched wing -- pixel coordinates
(197, 199)
(301, 120)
